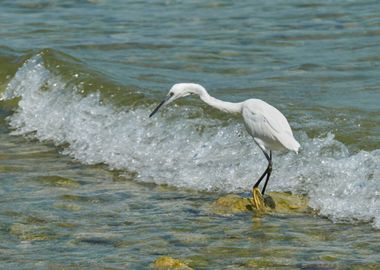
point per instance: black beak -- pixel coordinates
(159, 105)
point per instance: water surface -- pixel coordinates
(89, 181)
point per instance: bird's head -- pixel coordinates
(177, 91)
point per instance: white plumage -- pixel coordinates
(267, 125)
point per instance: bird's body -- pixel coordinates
(266, 124)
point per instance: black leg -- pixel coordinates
(261, 178)
(267, 172)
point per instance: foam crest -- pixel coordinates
(176, 149)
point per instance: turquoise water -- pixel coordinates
(89, 181)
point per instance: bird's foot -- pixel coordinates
(262, 202)
(258, 199)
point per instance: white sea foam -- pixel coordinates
(197, 153)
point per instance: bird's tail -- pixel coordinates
(294, 145)
(289, 142)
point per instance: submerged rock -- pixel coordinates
(275, 202)
(167, 263)
(58, 181)
(271, 263)
(31, 232)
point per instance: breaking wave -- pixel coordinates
(181, 150)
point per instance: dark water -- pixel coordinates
(89, 181)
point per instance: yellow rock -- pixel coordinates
(284, 203)
(231, 204)
(168, 263)
(290, 203)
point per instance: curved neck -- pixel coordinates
(225, 106)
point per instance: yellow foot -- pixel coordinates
(258, 199)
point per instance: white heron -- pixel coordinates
(266, 124)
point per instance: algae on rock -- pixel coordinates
(284, 203)
(231, 204)
(58, 181)
(168, 263)
(31, 232)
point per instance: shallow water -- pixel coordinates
(90, 217)
(89, 181)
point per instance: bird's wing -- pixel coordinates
(265, 122)
(258, 126)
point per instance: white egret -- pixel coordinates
(266, 124)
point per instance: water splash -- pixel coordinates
(199, 153)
